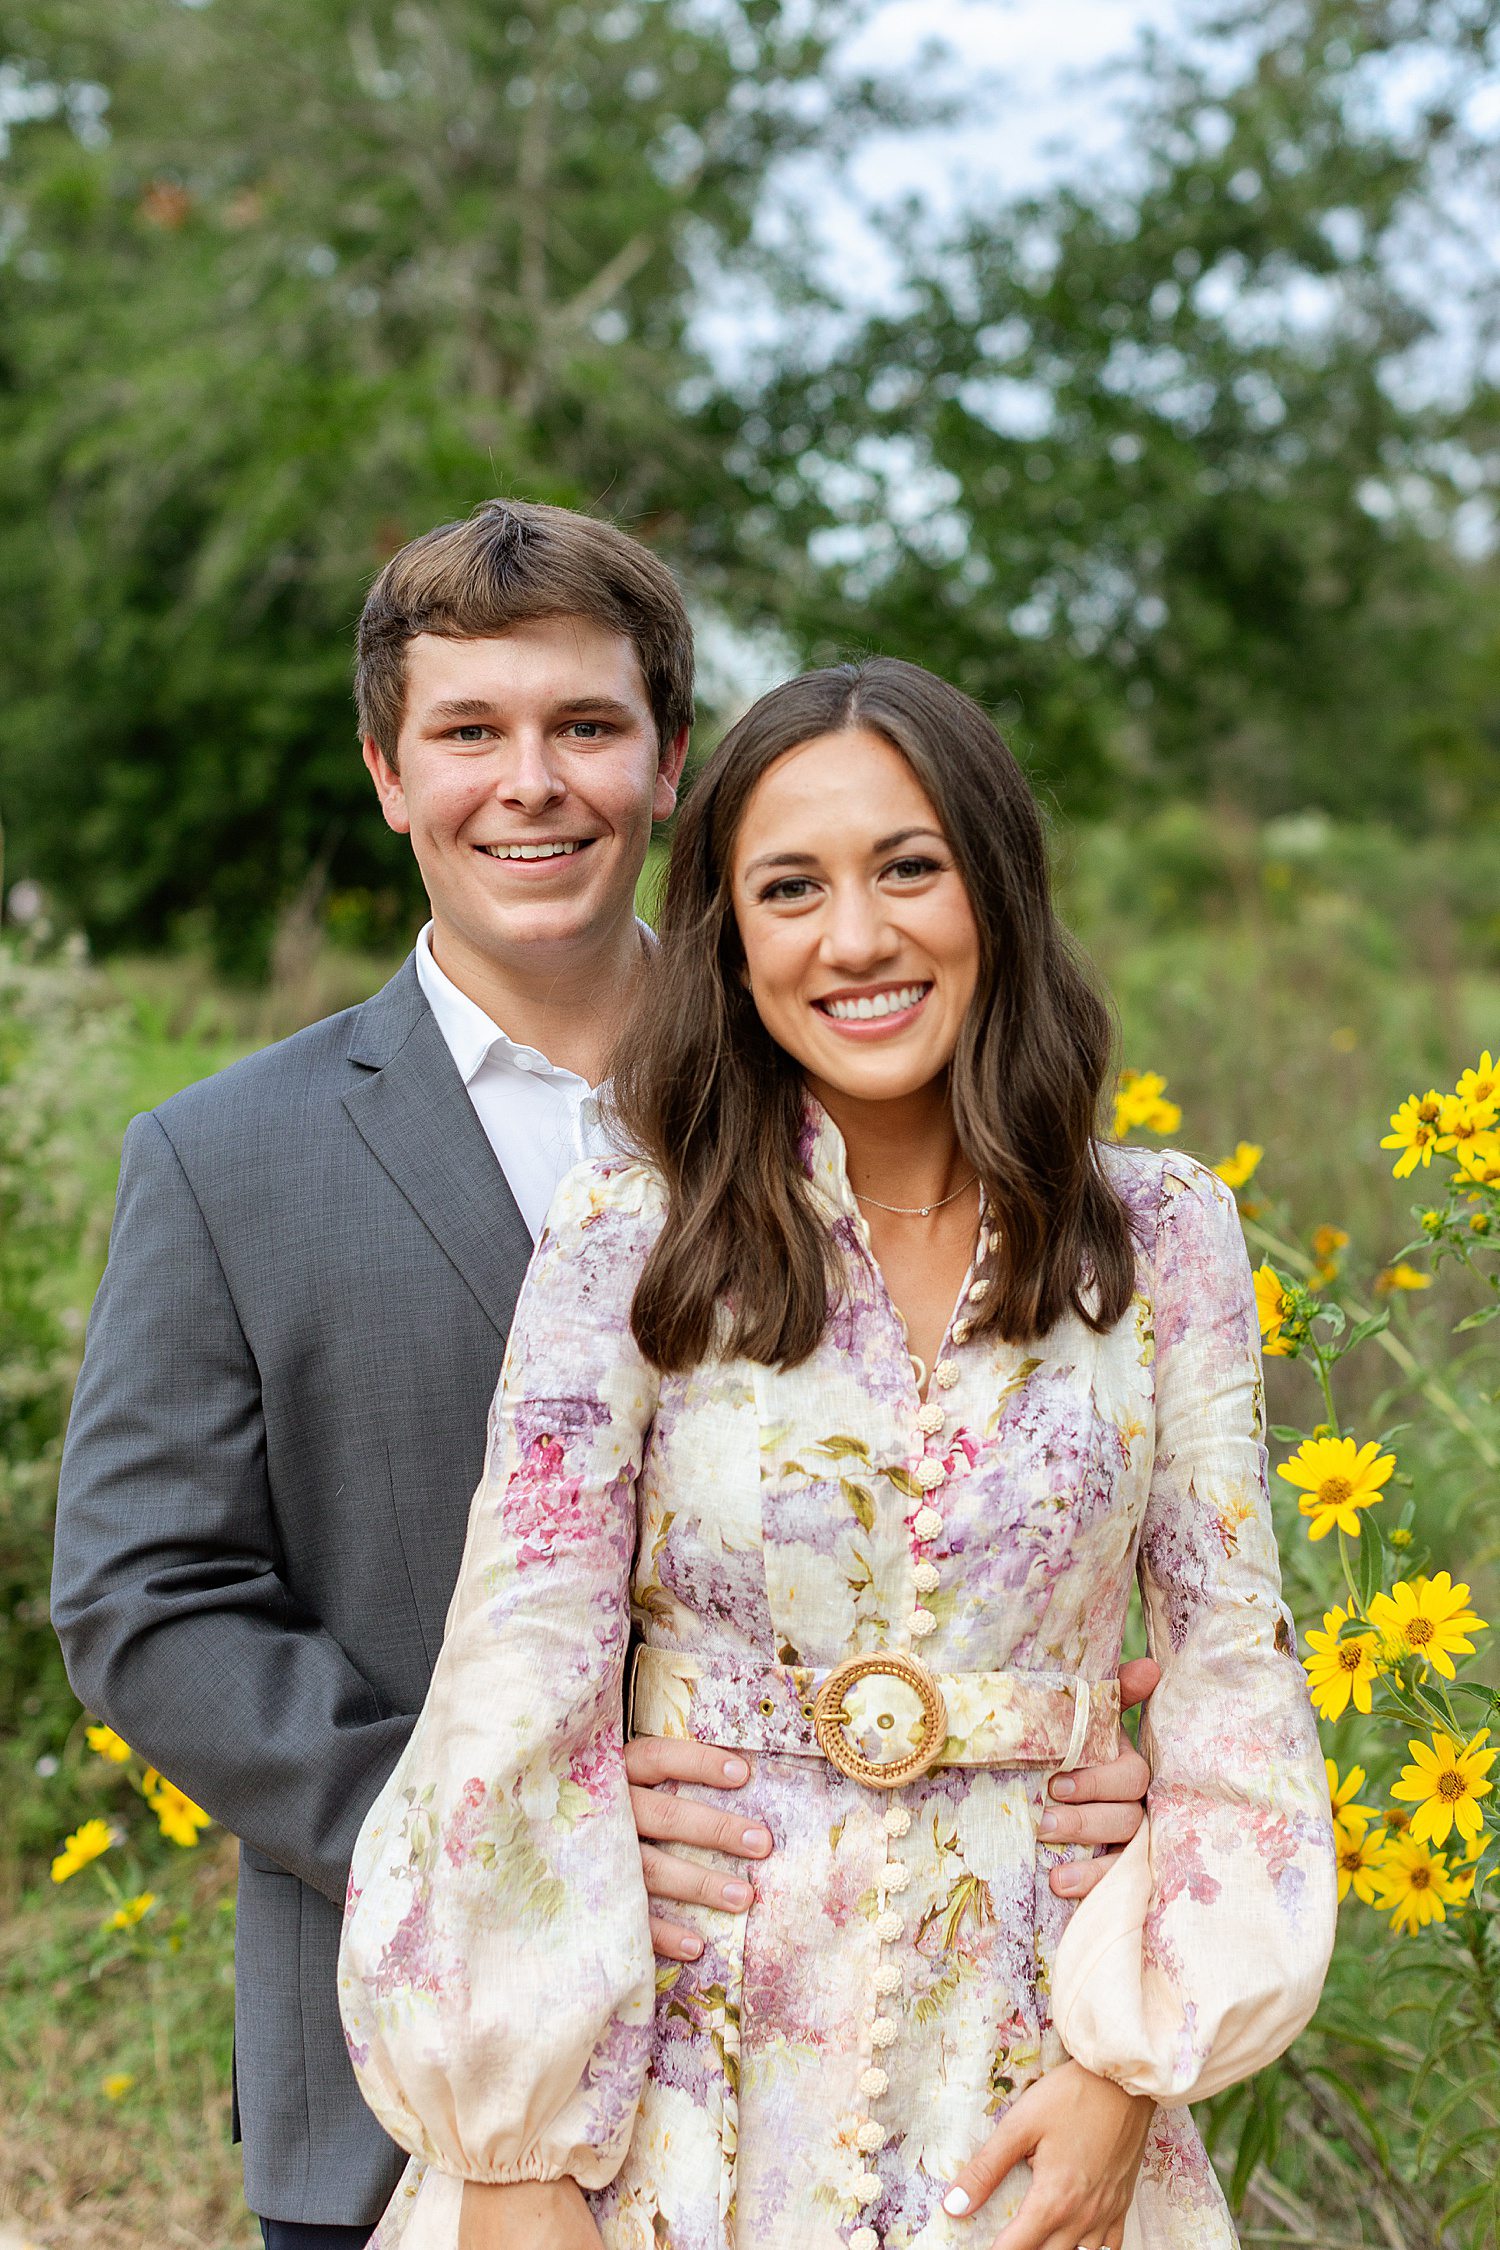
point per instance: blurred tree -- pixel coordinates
(286, 281)
(1178, 467)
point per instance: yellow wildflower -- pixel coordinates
(178, 1818)
(1336, 1478)
(126, 1916)
(1401, 1276)
(1426, 1617)
(1139, 1103)
(1414, 1130)
(1340, 1671)
(1463, 1122)
(85, 1843)
(1270, 1308)
(1401, 1536)
(1327, 1242)
(1236, 1170)
(1343, 1796)
(1482, 1084)
(108, 1744)
(1413, 1885)
(116, 2085)
(1359, 1855)
(1479, 1160)
(1445, 1783)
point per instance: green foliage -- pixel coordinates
(1159, 468)
(287, 281)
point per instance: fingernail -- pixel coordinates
(691, 1948)
(756, 1840)
(1067, 1879)
(735, 1769)
(1050, 1824)
(1064, 1786)
(955, 2203)
(738, 1894)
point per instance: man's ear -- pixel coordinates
(668, 774)
(389, 787)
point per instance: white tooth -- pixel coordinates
(864, 1009)
(880, 1005)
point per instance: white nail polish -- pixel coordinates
(955, 2203)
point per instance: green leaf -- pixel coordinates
(1368, 1328)
(1478, 1319)
(843, 1448)
(905, 1483)
(1369, 1563)
(1284, 1434)
(861, 1499)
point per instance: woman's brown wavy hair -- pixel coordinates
(743, 1265)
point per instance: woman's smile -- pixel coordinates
(873, 1011)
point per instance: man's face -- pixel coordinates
(527, 777)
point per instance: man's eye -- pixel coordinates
(473, 733)
(588, 730)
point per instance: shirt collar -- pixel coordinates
(470, 1036)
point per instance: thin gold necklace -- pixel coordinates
(917, 1210)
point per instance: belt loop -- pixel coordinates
(1080, 1732)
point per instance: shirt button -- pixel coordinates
(921, 1623)
(887, 1929)
(945, 1374)
(929, 1474)
(897, 1820)
(927, 1523)
(868, 2188)
(887, 1978)
(870, 2137)
(926, 1577)
(873, 2083)
(895, 1877)
(931, 1419)
(882, 2032)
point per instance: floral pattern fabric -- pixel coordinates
(817, 2076)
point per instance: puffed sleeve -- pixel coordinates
(496, 1975)
(1200, 1956)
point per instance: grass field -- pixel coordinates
(1293, 985)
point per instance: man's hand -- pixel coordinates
(662, 1817)
(531, 2215)
(1101, 1805)
(1083, 2138)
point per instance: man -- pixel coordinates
(315, 1259)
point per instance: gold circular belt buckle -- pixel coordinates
(829, 1720)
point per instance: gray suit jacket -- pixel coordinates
(276, 1432)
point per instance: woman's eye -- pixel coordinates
(911, 870)
(790, 887)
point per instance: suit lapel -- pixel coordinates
(413, 1112)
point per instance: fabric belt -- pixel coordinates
(1053, 1719)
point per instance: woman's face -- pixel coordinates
(861, 949)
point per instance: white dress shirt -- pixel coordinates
(539, 1120)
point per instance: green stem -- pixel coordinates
(1358, 1607)
(1406, 1359)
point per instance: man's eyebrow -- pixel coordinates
(480, 707)
(461, 707)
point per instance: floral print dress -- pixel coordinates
(816, 2077)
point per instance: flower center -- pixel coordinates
(1352, 1858)
(1421, 1878)
(1351, 1656)
(1419, 1631)
(1451, 1786)
(1333, 1492)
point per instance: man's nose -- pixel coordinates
(529, 781)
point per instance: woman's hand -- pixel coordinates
(662, 1817)
(530, 2215)
(1083, 2138)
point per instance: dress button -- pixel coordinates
(978, 1291)
(931, 1419)
(895, 1877)
(887, 1978)
(897, 1820)
(882, 2032)
(925, 1578)
(945, 1374)
(864, 2238)
(868, 2188)
(929, 1473)
(874, 2082)
(887, 1927)
(960, 1332)
(920, 1623)
(927, 1523)
(870, 2137)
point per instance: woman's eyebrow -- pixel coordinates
(810, 859)
(782, 859)
(905, 835)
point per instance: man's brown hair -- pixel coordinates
(511, 560)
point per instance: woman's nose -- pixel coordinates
(858, 934)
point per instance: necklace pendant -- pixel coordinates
(925, 1211)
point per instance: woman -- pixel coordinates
(866, 1384)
